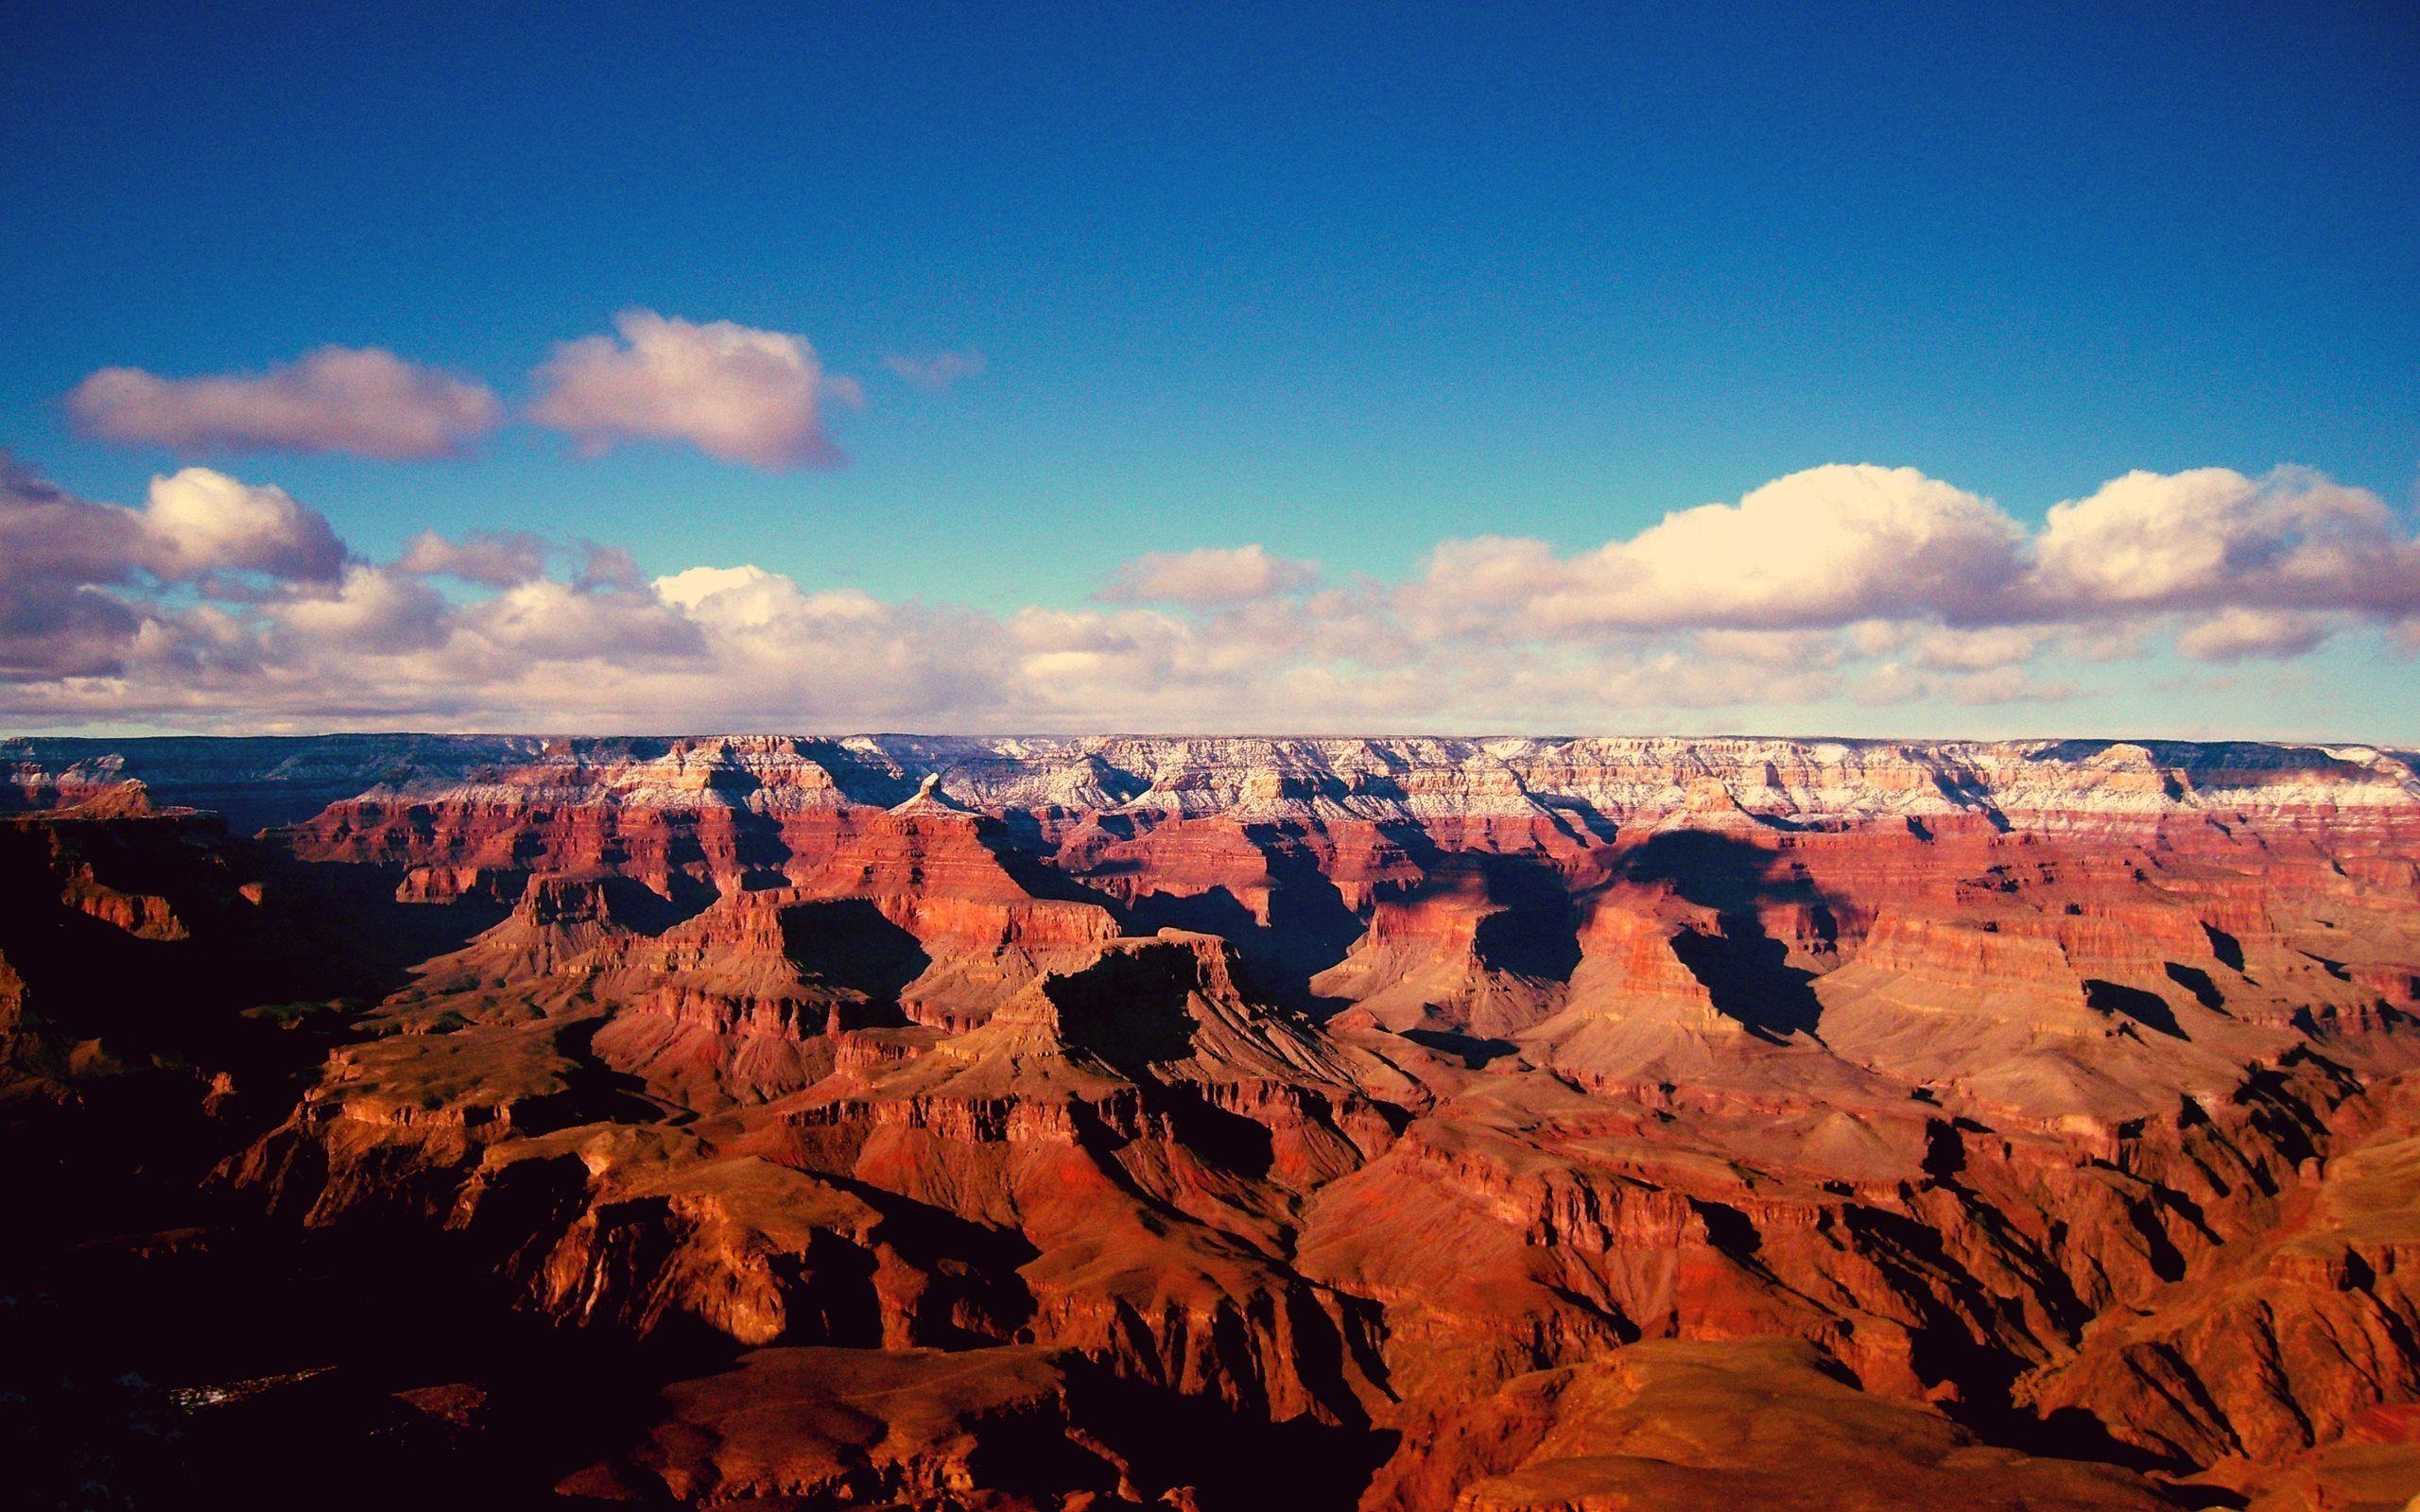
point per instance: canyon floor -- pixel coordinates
(1396, 1125)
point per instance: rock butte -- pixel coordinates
(1416, 1124)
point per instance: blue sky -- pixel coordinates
(1343, 281)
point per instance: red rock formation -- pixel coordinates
(864, 1429)
(1582, 1123)
(1756, 1423)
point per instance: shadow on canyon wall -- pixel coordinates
(847, 942)
(1743, 969)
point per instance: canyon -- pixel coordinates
(1402, 1124)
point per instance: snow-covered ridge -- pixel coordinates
(1253, 777)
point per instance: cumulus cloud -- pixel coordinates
(1208, 575)
(1818, 548)
(745, 597)
(608, 567)
(336, 399)
(733, 392)
(200, 521)
(1896, 562)
(2235, 634)
(2213, 539)
(72, 571)
(60, 557)
(547, 620)
(220, 603)
(373, 609)
(778, 646)
(496, 558)
(937, 371)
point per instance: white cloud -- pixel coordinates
(1208, 575)
(547, 620)
(373, 609)
(198, 522)
(336, 399)
(736, 393)
(1825, 547)
(1901, 562)
(2234, 634)
(2210, 538)
(1982, 650)
(222, 604)
(1893, 682)
(743, 598)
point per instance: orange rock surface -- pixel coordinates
(1074, 1122)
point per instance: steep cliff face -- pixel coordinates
(1509, 1111)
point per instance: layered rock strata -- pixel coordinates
(1584, 1122)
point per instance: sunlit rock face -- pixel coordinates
(1113, 1121)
